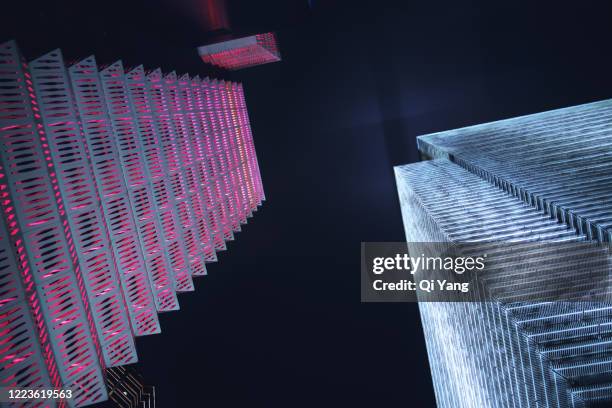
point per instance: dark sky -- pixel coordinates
(278, 322)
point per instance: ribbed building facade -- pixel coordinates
(534, 193)
(117, 188)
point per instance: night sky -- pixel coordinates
(278, 322)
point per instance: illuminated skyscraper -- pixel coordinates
(541, 179)
(242, 52)
(116, 189)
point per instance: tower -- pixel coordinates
(531, 191)
(116, 190)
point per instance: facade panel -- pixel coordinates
(40, 213)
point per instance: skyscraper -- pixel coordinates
(543, 181)
(116, 189)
